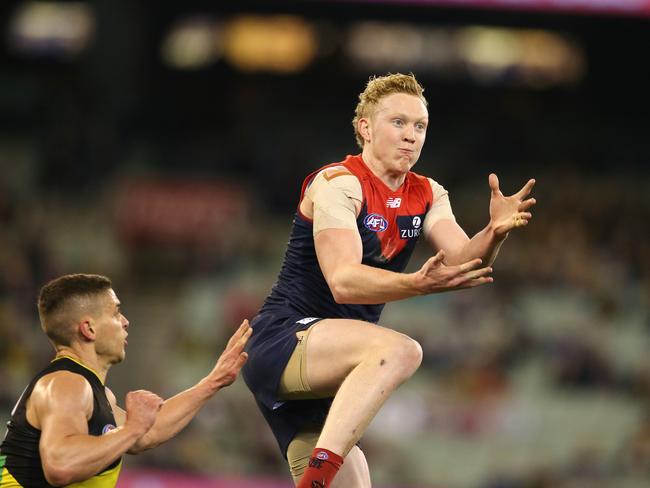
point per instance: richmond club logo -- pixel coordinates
(375, 223)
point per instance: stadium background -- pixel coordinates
(163, 144)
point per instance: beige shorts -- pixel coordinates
(300, 450)
(293, 382)
(294, 386)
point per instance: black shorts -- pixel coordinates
(269, 349)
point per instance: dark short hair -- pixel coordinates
(56, 295)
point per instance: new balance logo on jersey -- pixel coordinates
(393, 202)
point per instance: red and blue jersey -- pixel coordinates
(389, 223)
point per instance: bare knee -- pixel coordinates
(403, 354)
(411, 354)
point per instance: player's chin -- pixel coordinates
(408, 160)
(118, 358)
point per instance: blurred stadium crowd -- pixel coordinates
(180, 185)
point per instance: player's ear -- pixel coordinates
(363, 126)
(86, 329)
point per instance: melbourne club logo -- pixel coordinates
(375, 223)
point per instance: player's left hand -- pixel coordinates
(507, 213)
(232, 359)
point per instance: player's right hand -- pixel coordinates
(141, 409)
(232, 359)
(436, 277)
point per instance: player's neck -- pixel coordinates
(392, 179)
(90, 360)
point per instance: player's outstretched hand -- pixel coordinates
(507, 213)
(232, 359)
(141, 409)
(435, 277)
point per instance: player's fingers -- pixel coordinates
(241, 360)
(151, 398)
(521, 219)
(526, 189)
(464, 280)
(231, 352)
(493, 181)
(469, 265)
(477, 282)
(156, 398)
(481, 281)
(241, 330)
(434, 261)
(526, 204)
(247, 333)
(478, 273)
(438, 258)
(241, 343)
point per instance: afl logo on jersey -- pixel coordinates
(107, 428)
(375, 223)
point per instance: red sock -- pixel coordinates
(323, 466)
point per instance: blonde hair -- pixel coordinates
(379, 87)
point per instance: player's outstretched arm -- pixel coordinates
(176, 412)
(339, 256)
(62, 403)
(506, 214)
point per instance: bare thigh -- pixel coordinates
(336, 346)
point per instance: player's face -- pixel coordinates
(398, 128)
(111, 328)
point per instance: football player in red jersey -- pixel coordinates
(319, 365)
